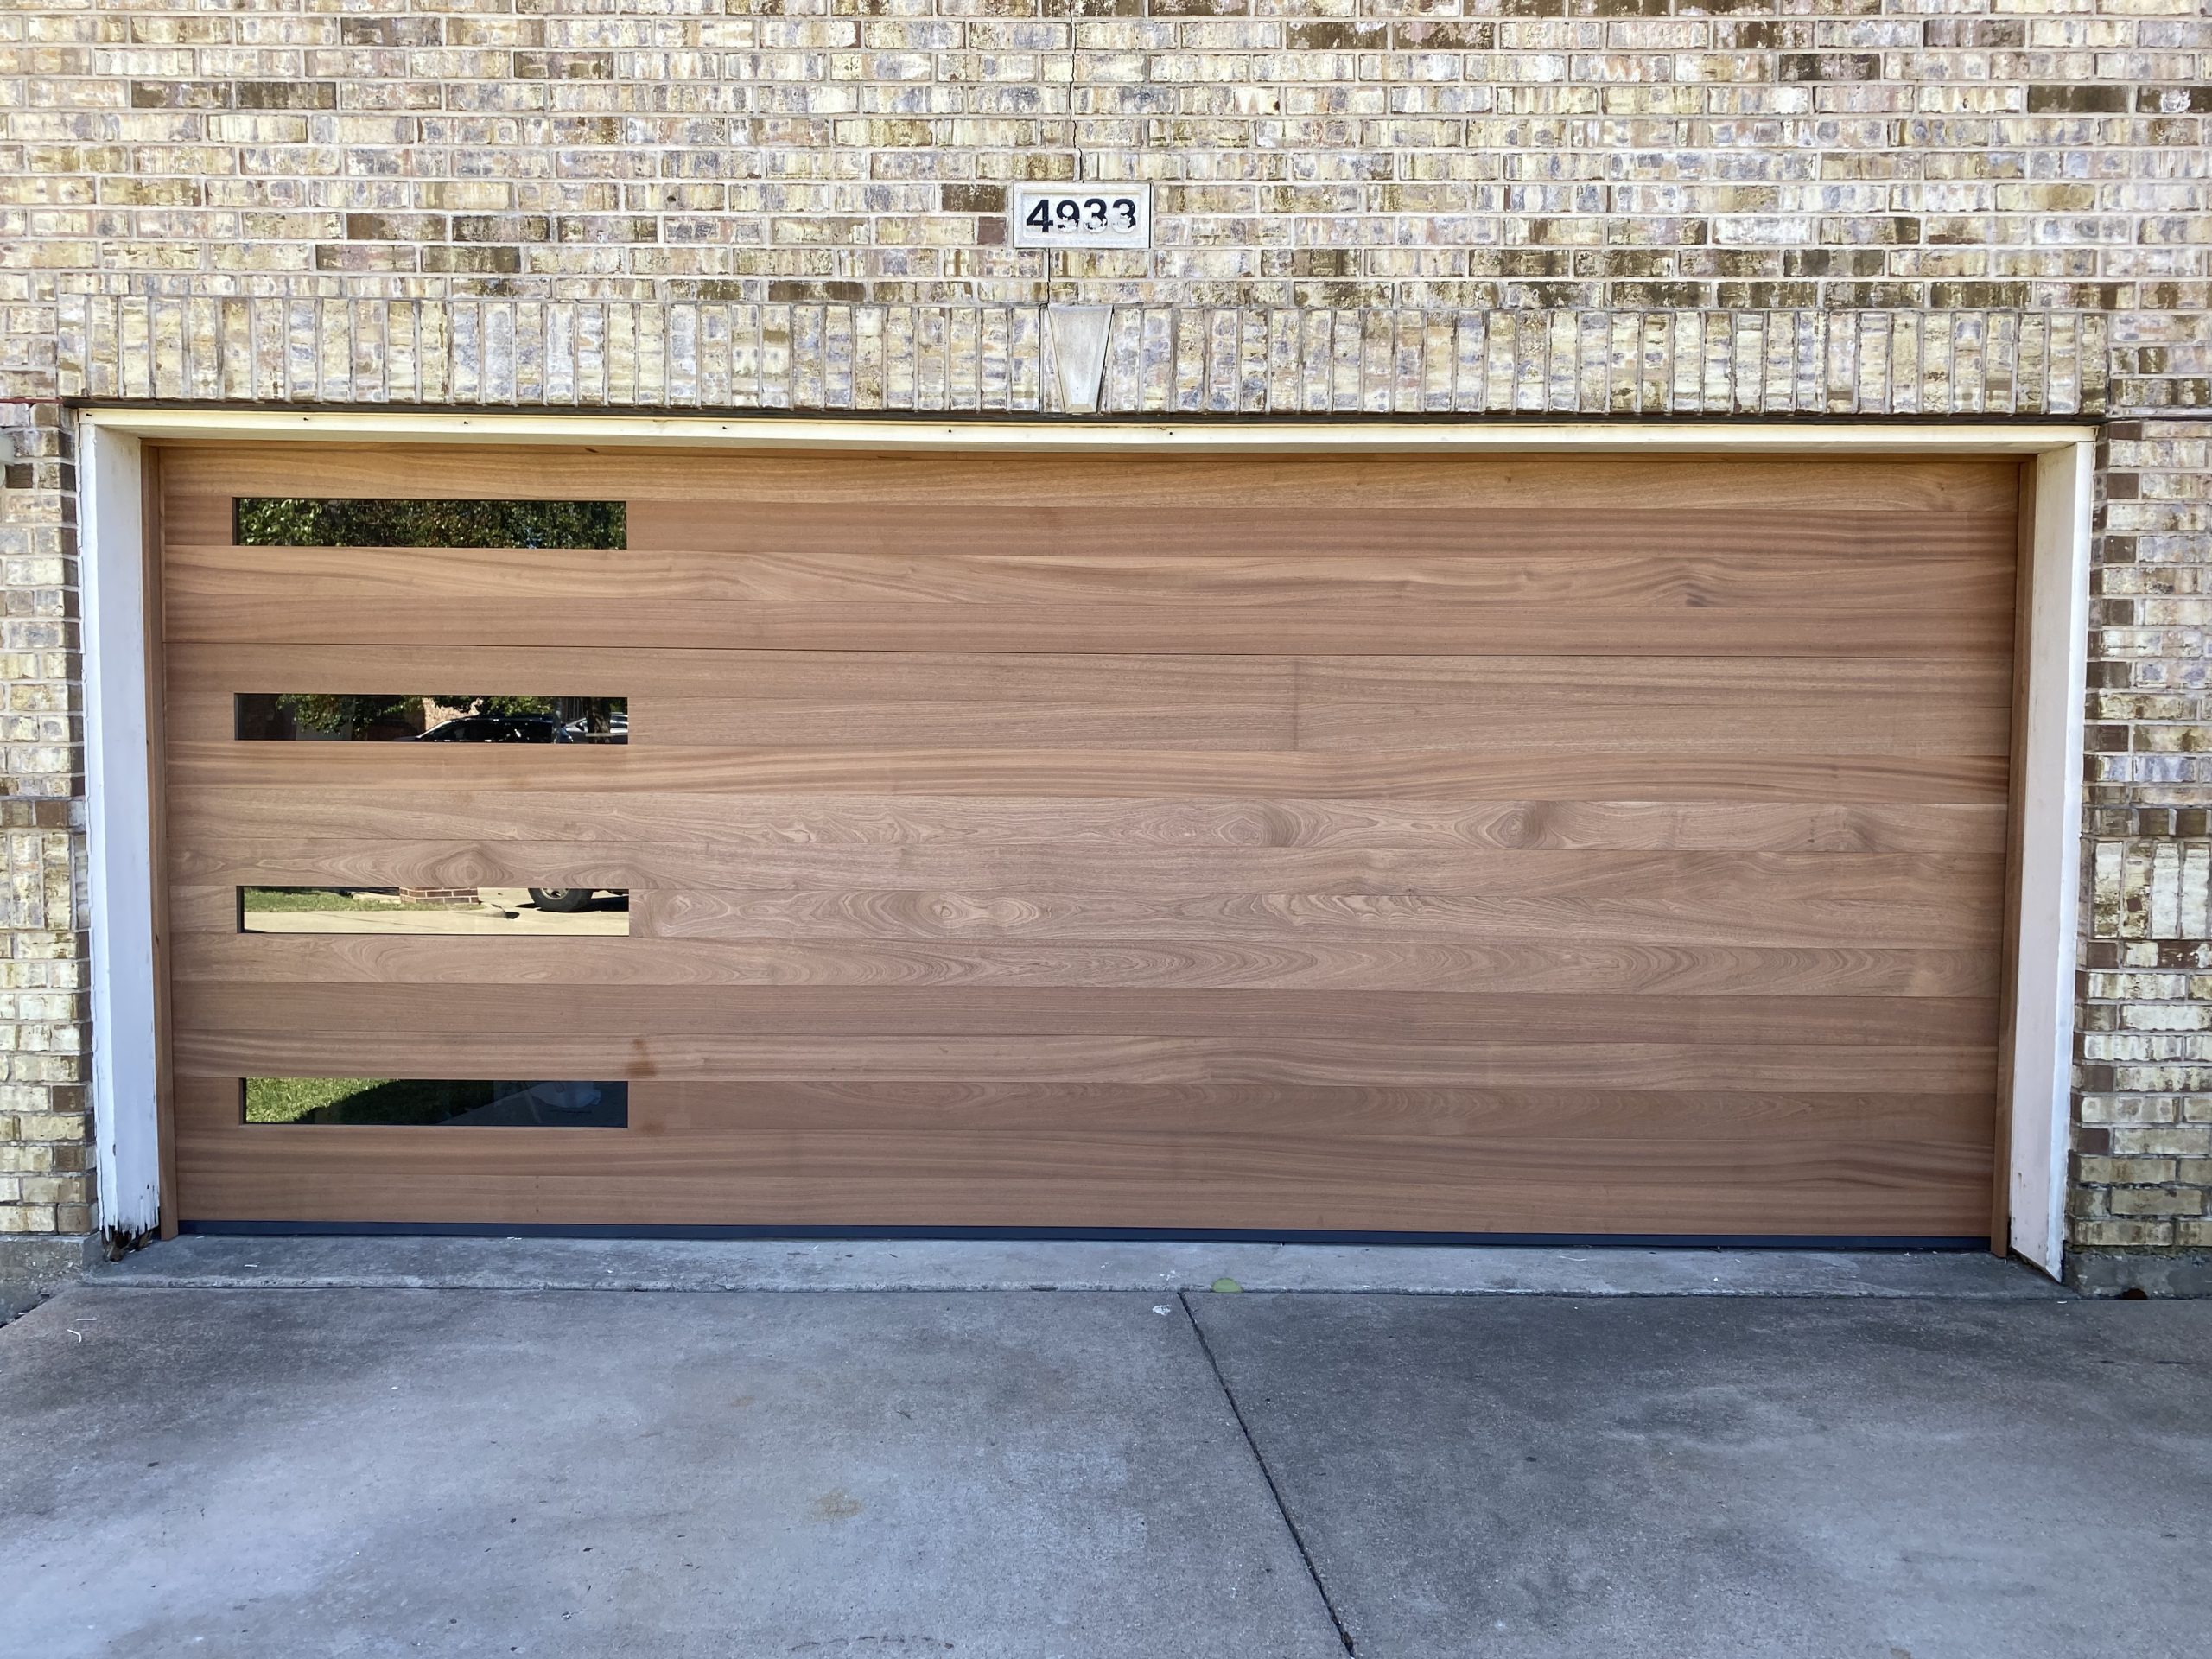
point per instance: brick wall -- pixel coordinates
(1787, 207)
(2143, 1138)
(45, 1183)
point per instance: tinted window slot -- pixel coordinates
(427, 717)
(461, 1102)
(502, 912)
(302, 521)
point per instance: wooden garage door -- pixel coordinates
(1390, 844)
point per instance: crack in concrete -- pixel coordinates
(1297, 1537)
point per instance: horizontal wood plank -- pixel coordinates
(986, 525)
(208, 947)
(1569, 528)
(1423, 775)
(1717, 909)
(617, 1010)
(1537, 718)
(1057, 489)
(201, 579)
(933, 678)
(200, 816)
(1269, 1157)
(1388, 1061)
(1823, 898)
(961, 700)
(1408, 626)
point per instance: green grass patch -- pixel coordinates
(328, 898)
(361, 1100)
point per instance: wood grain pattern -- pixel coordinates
(585, 817)
(1411, 625)
(1846, 882)
(618, 1010)
(1721, 908)
(1527, 719)
(1418, 774)
(1517, 705)
(1090, 679)
(1265, 893)
(834, 521)
(209, 579)
(1053, 1057)
(1566, 527)
(1265, 1157)
(1056, 493)
(1375, 844)
(208, 948)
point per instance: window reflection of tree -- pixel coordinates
(283, 521)
(389, 717)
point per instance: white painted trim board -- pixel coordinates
(119, 848)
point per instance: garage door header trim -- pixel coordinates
(1223, 437)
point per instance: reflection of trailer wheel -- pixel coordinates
(562, 900)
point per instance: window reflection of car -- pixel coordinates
(525, 728)
(617, 730)
(563, 901)
(496, 729)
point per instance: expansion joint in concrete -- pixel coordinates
(1274, 1491)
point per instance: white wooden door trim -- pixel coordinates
(118, 832)
(1226, 437)
(2046, 948)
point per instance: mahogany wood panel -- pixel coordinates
(1053, 1057)
(1550, 965)
(1524, 718)
(1420, 774)
(1476, 677)
(1266, 1157)
(1046, 495)
(1410, 625)
(1025, 1010)
(1598, 527)
(1519, 724)
(203, 580)
(611, 818)
(1881, 889)
(1368, 843)
(1528, 719)
(1821, 901)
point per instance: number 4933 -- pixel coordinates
(1060, 217)
(1089, 214)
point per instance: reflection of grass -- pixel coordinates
(360, 1100)
(328, 899)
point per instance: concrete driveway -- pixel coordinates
(1156, 1474)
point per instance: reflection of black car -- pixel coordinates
(617, 724)
(520, 728)
(496, 729)
(562, 901)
